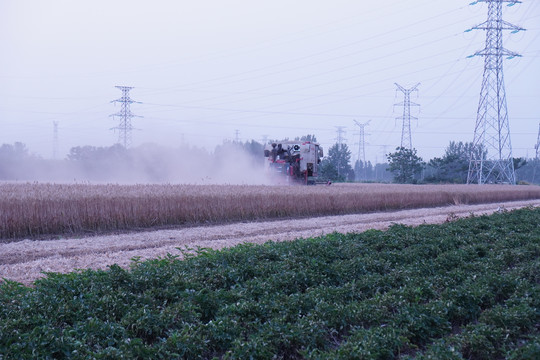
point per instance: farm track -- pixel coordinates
(25, 261)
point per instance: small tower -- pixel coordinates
(125, 127)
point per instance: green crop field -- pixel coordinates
(468, 289)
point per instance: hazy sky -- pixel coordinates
(204, 69)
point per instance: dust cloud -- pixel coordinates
(230, 163)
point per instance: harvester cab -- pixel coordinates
(294, 161)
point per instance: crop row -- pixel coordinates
(29, 210)
(469, 289)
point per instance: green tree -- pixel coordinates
(454, 165)
(255, 150)
(528, 172)
(404, 164)
(359, 170)
(381, 173)
(13, 160)
(336, 166)
(328, 170)
(363, 170)
(17, 151)
(89, 153)
(519, 162)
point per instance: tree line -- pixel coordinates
(155, 163)
(406, 167)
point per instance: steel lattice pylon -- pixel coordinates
(537, 145)
(491, 159)
(537, 155)
(339, 141)
(361, 140)
(406, 138)
(125, 127)
(362, 147)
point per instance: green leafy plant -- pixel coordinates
(465, 289)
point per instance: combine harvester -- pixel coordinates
(294, 162)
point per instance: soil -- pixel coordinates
(27, 260)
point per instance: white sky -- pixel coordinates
(205, 68)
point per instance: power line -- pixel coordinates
(491, 157)
(232, 78)
(334, 80)
(265, 113)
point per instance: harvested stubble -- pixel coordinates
(28, 210)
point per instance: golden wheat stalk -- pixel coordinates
(34, 209)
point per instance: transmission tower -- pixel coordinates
(236, 135)
(339, 140)
(361, 147)
(491, 158)
(339, 137)
(537, 145)
(406, 139)
(361, 140)
(55, 139)
(537, 155)
(125, 127)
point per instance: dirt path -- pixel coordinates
(25, 261)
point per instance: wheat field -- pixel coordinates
(40, 209)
